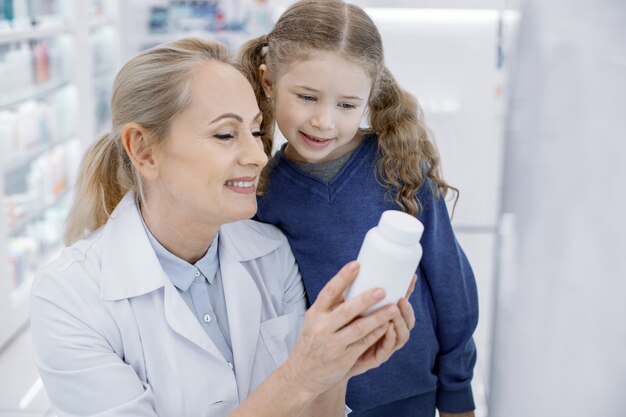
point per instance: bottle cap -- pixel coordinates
(400, 227)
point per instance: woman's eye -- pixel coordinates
(224, 136)
(347, 106)
(258, 134)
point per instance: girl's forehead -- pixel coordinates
(334, 79)
(320, 64)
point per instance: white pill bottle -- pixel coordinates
(389, 257)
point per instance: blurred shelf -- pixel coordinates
(104, 127)
(86, 28)
(152, 39)
(20, 161)
(431, 4)
(96, 22)
(36, 214)
(35, 92)
(20, 293)
(104, 71)
(35, 32)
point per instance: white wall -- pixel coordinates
(449, 63)
(561, 311)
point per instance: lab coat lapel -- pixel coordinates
(130, 268)
(183, 322)
(243, 305)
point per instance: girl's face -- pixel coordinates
(208, 168)
(319, 103)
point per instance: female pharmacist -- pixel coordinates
(169, 302)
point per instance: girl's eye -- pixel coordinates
(347, 106)
(224, 136)
(258, 134)
(306, 97)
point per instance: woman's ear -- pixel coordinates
(265, 81)
(134, 139)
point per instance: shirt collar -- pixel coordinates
(180, 272)
(127, 252)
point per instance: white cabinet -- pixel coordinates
(57, 62)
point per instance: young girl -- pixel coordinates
(316, 74)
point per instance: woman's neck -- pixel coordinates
(188, 240)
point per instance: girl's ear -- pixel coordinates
(265, 81)
(133, 140)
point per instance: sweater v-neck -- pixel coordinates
(327, 190)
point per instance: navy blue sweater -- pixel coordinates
(326, 224)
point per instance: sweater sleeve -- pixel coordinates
(453, 287)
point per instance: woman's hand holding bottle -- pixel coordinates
(336, 342)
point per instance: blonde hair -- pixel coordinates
(407, 151)
(149, 90)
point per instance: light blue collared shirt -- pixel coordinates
(200, 286)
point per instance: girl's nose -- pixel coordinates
(323, 120)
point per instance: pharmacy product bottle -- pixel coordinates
(389, 257)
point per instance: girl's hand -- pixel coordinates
(396, 337)
(334, 336)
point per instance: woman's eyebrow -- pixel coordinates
(228, 116)
(234, 116)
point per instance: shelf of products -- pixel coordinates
(231, 22)
(50, 111)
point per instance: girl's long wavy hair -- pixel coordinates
(149, 90)
(408, 153)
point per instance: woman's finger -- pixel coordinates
(381, 350)
(388, 345)
(406, 309)
(361, 346)
(411, 287)
(402, 328)
(333, 291)
(358, 329)
(349, 310)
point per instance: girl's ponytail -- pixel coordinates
(99, 188)
(408, 153)
(250, 57)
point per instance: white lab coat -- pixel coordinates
(112, 336)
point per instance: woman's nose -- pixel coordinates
(253, 153)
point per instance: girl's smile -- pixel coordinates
(319, 103)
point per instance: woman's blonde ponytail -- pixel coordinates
(98, 189)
